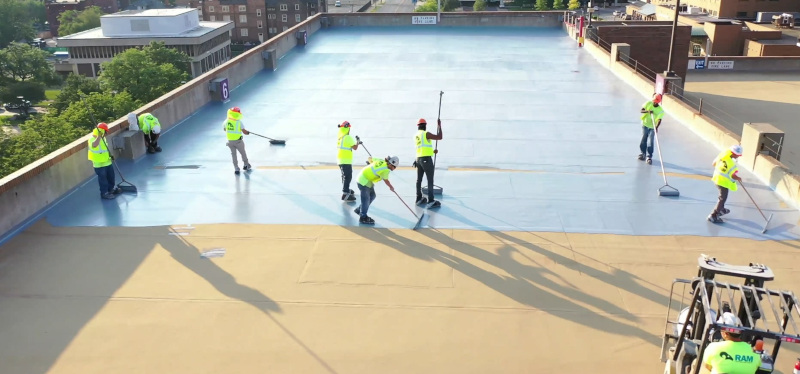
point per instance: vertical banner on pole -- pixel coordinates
(580, 33)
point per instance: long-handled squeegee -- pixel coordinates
(759, 209)
(666, 189)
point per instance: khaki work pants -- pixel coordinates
(238, 145)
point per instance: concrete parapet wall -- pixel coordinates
(493, 19)
(34, 187)
(769, 170)
(761, 63)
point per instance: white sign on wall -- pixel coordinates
(720, 65)
(423, 20)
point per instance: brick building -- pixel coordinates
(54, 8)
(742, 9)
(258, 20)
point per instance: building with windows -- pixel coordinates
(206, 43)
(54, 8)
(258, 20)
(734, 9)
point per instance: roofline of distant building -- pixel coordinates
(218, 28)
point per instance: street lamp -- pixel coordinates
(669, 71)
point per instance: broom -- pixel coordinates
(666, 189)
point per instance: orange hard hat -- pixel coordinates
(345, 124)
(236, 109)
(657, 99)
(102, 125)
(422, 122)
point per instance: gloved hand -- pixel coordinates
(358, 140)
(414, 164)
(435, 151)
(112, 158)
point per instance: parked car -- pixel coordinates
(337, 3)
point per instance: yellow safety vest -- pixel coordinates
(233, 125)
(345, 155)
(146, 124)
(424, 146)
(647, 118)
(99, 155)
(369, 175)
(723, 173)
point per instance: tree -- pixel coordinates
(73, 21)
(21, 62)
(574, 4)
(541, 5)
(31, 91)
(480, 5)
(558, 5)
(427, 7)
(450, 5)
(135, 72)
(38, 138)
(104, 106)
(15, 24)
(70, 92)
(160, 54)
(35, 10)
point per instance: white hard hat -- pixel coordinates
(729, 319)
(157, 129)
(393, 160)
(736, 149)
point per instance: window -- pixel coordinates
(297, 18)
(296, 6)
(284, 7)
(242, 8)
(272, 30)
(243, 18)
(212, 18)
(284, 18)
(258, 12)
(226, 9)
(211, 9)
(285, 28)
(226, 17)
(312, 5)
(260, 25)
(271, 16)
(243, 32)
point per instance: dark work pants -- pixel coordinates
(105, 177)
(367, 197)
(347, 177)
(425, 166)
(647, 134)
(723, 196)
(151, 140)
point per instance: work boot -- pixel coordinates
(422, 200)
(348, 197)
(236, 171)
(108, 196)
(649, 160)
(435, 204)
(366, 220)
(151, 150)
(157, 148)
(248, 167)
(724, 211)
(641, 157)
(713, 218)
(116, 191)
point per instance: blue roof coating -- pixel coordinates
(537, 137)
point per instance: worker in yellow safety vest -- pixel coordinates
(377, 170)
(152, 130)
(725, 177)
(102, 161)
(234, 129)
(424, 162)
(345, 145)
(651, 112)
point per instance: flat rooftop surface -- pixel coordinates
(97, 33)
(733, 98)
(551, 253)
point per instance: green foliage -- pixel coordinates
(431, 6)
(73, 21)
(21, 62)
(136, 72)
(160, 54)
(32, 91)
(39, 137)
(450, 5)
(480, 5)
(71, 89)
(15, 22)
(105, 107)
(558, 5)
(542, 5)
(574, 4)
(35, 10)
(427, 7)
